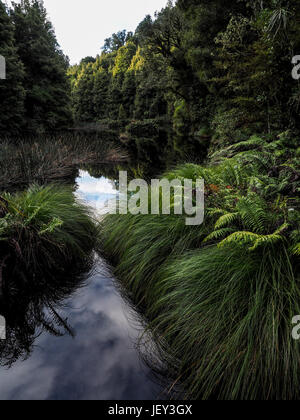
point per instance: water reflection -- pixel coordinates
(31, 310)
(96, 192)
(73, 340)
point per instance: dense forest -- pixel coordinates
(35, 95)
(216, 71)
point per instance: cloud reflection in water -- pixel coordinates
(101, 362)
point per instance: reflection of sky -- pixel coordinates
(100, 363)
(97, 192)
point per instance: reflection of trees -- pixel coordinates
(31, 308)
(138, 170)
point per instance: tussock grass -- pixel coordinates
(220, 297)
(223, 320)
(51, 159)
(43, 231)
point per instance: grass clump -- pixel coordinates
(223, 319)
(51, 158)
(220, 297)
(43, 231)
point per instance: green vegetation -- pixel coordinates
(206, 81)
(43, 231)
(220, 298)
(216, 71)
(52, 158)
(11, 92)
(35, 96)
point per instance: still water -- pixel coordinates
(101, 361)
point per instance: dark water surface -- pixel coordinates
(101, 361)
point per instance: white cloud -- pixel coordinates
(89, 185)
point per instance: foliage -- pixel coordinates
(51, 158)
(223, 65)
(11, 89)
(42, 231)
(35, 95)
(219, 298)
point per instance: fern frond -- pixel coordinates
(259, 160)
(226, 220)
(266, 240)
(241, 238)
(218, 234)
(254, 213)
(282, 229)
(295, 250)
(252, 143)
(214, 212)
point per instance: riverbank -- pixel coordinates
(220, 298)
(68, 327)
(53, 158)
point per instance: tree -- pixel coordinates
(83, 97)
(87, 60)
(100, 93)
(45, 82)
(117, 41)
(11, 89)
(144, 30)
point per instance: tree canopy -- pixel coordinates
(222, 68)
(35, 96)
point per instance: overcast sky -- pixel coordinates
(81, 26)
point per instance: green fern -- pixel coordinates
(211, 212)
(226, 220)
(254, 213)
(218, 234)
(241, 238)
(244, 237)
(266, 240)
(295, 250)
(51, 226)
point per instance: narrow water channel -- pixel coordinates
(101, 361)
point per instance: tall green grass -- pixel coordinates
(43, 231)
(220, 297)
(51, 158)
